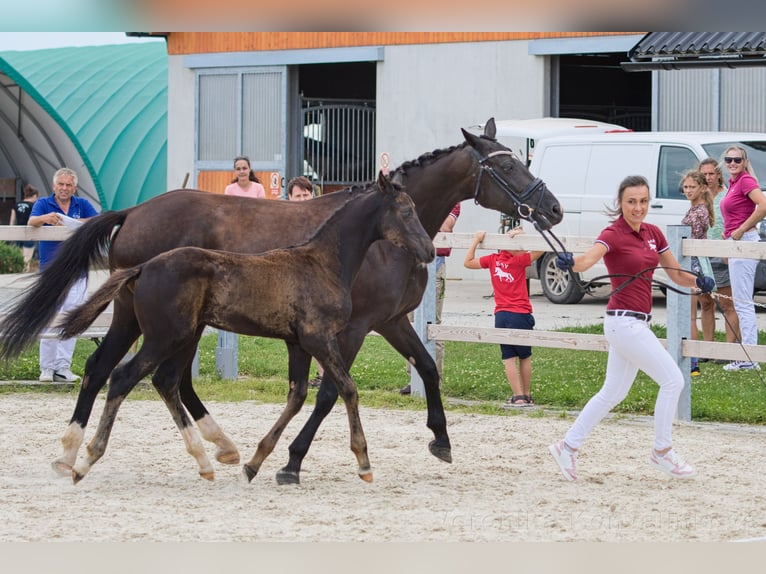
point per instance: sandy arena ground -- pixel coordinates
(502, 486)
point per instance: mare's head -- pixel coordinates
(400, 224)
(505, 184)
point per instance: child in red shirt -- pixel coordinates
(513, 310)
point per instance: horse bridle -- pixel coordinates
(523, 208)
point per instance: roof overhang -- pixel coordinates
(695, 50)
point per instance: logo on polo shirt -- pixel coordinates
(652, 244)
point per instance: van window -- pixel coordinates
(674, 161)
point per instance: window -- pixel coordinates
(241, 113)
(674, 161)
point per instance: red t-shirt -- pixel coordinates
(630, 253)
(509, 280)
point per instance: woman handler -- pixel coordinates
(630, 246)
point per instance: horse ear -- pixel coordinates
(472, 139)
(384, 183)
(490, 129)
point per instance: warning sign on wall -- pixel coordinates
(274, 187)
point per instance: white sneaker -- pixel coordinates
(565, 458)
(65, 376)
(742, 366)
(672, 464)
(46, 376)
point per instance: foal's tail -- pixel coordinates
(33, 311)
(79, 319)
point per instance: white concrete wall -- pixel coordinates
(180, 123)
(426, 93)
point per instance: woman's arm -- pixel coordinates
(589, 258)
(673, 269)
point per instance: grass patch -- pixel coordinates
(562, 379)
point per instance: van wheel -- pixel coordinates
(557, 285)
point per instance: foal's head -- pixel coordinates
(400, 224)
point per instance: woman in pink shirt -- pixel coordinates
(246, 184)
(742, 208)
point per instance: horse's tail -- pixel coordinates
(31, 312)
(79, 319)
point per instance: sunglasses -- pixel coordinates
(732, 159)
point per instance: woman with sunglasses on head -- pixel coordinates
(742, 208)
(631, 249)
(246, 183)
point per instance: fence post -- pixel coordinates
(226, 355)
(425, 314)
(679, 320)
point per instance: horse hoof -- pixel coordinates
(207, 475)
(441, 452)
(62, 468)
(77, 476)
(248, 473)
(366, 476)
(287, 477)
(227, 457)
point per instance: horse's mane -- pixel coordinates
(425, 159)
(354, 192)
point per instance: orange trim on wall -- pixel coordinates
(213, 42)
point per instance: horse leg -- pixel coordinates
(166, 382)
(124, 379)
(227, 452)
(333, 363)
(298, 371)
(350, 341)
(98, 367)
(402, 337)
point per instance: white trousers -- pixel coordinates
(57, 354)
(632, 346)
(742, 274)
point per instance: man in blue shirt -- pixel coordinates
(56, 354)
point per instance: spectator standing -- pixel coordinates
(447, 226)
(742, 208)
(700, 217)
(20, 216)
(56, 354)
(628, 246)
(710, 168)
(513, 309)
(246, 183)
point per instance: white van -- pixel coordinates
(585, 171)
(521, 136)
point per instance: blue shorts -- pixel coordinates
(508, 320)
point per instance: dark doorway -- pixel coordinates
(594, 86)
(347, 81)
(338, 122)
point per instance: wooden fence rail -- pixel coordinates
(678, 309)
